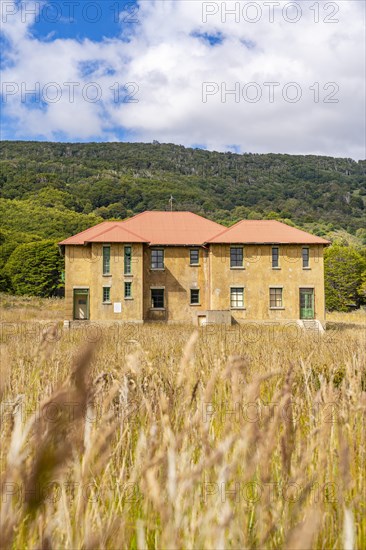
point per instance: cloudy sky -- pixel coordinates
(282, 77)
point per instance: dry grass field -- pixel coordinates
(163, 437)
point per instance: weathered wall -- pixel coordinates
(84, 267)
(178, 277)
(258, 276)
(213, 276)
(77, 274)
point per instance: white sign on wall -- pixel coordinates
(117, 307)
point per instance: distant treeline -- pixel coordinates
(120, 179)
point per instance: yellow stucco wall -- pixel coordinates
(213, 276)
(177, 278)
(84, 268)
(77, 273)
(258, 276)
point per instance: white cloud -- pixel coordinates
(170, 63)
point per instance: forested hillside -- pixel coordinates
(52, 190)
(118, 179)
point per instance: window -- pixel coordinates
(195, 296)
(106, 259)
(305, 257)
(194, 256)
(157, 259)
(128, 290)
(157, 298)
(236, 257)
(275, 256)
(106, 294)
(128, 263)
(236, 297)
(275, 297)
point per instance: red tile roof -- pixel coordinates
(186, 228)
(174, 228)
(84, 236)
(155, 228)
(105, 232)
(265, 231)
(116, 233)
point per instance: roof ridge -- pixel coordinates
(277, 222)
(302, 230)
(135, 216)
(85, 230)
(199, 216)
(224, 231)
(82, 232)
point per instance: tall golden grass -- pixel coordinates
(165, 437)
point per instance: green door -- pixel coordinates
(306, 303)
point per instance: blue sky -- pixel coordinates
(79, 20)
(286, 78)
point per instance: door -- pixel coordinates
(81, 305)
(202, 320)
(306, 303)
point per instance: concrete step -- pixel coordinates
(311, 325)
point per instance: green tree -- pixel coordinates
(362, 288)
(5, 283)
(35, 268)
(253, 215)
(273, 216)
(48, 223)
(115, 210)
(343, 270)
(361, 234)
(54, 198)
(9, 240)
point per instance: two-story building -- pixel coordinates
(181, 267)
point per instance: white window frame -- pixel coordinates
(155, 249)
(276, 287)
(109, 300)
(237, 287)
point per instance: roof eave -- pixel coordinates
(325, 243)
(177, 244)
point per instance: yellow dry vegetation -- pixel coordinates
(158, 437)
